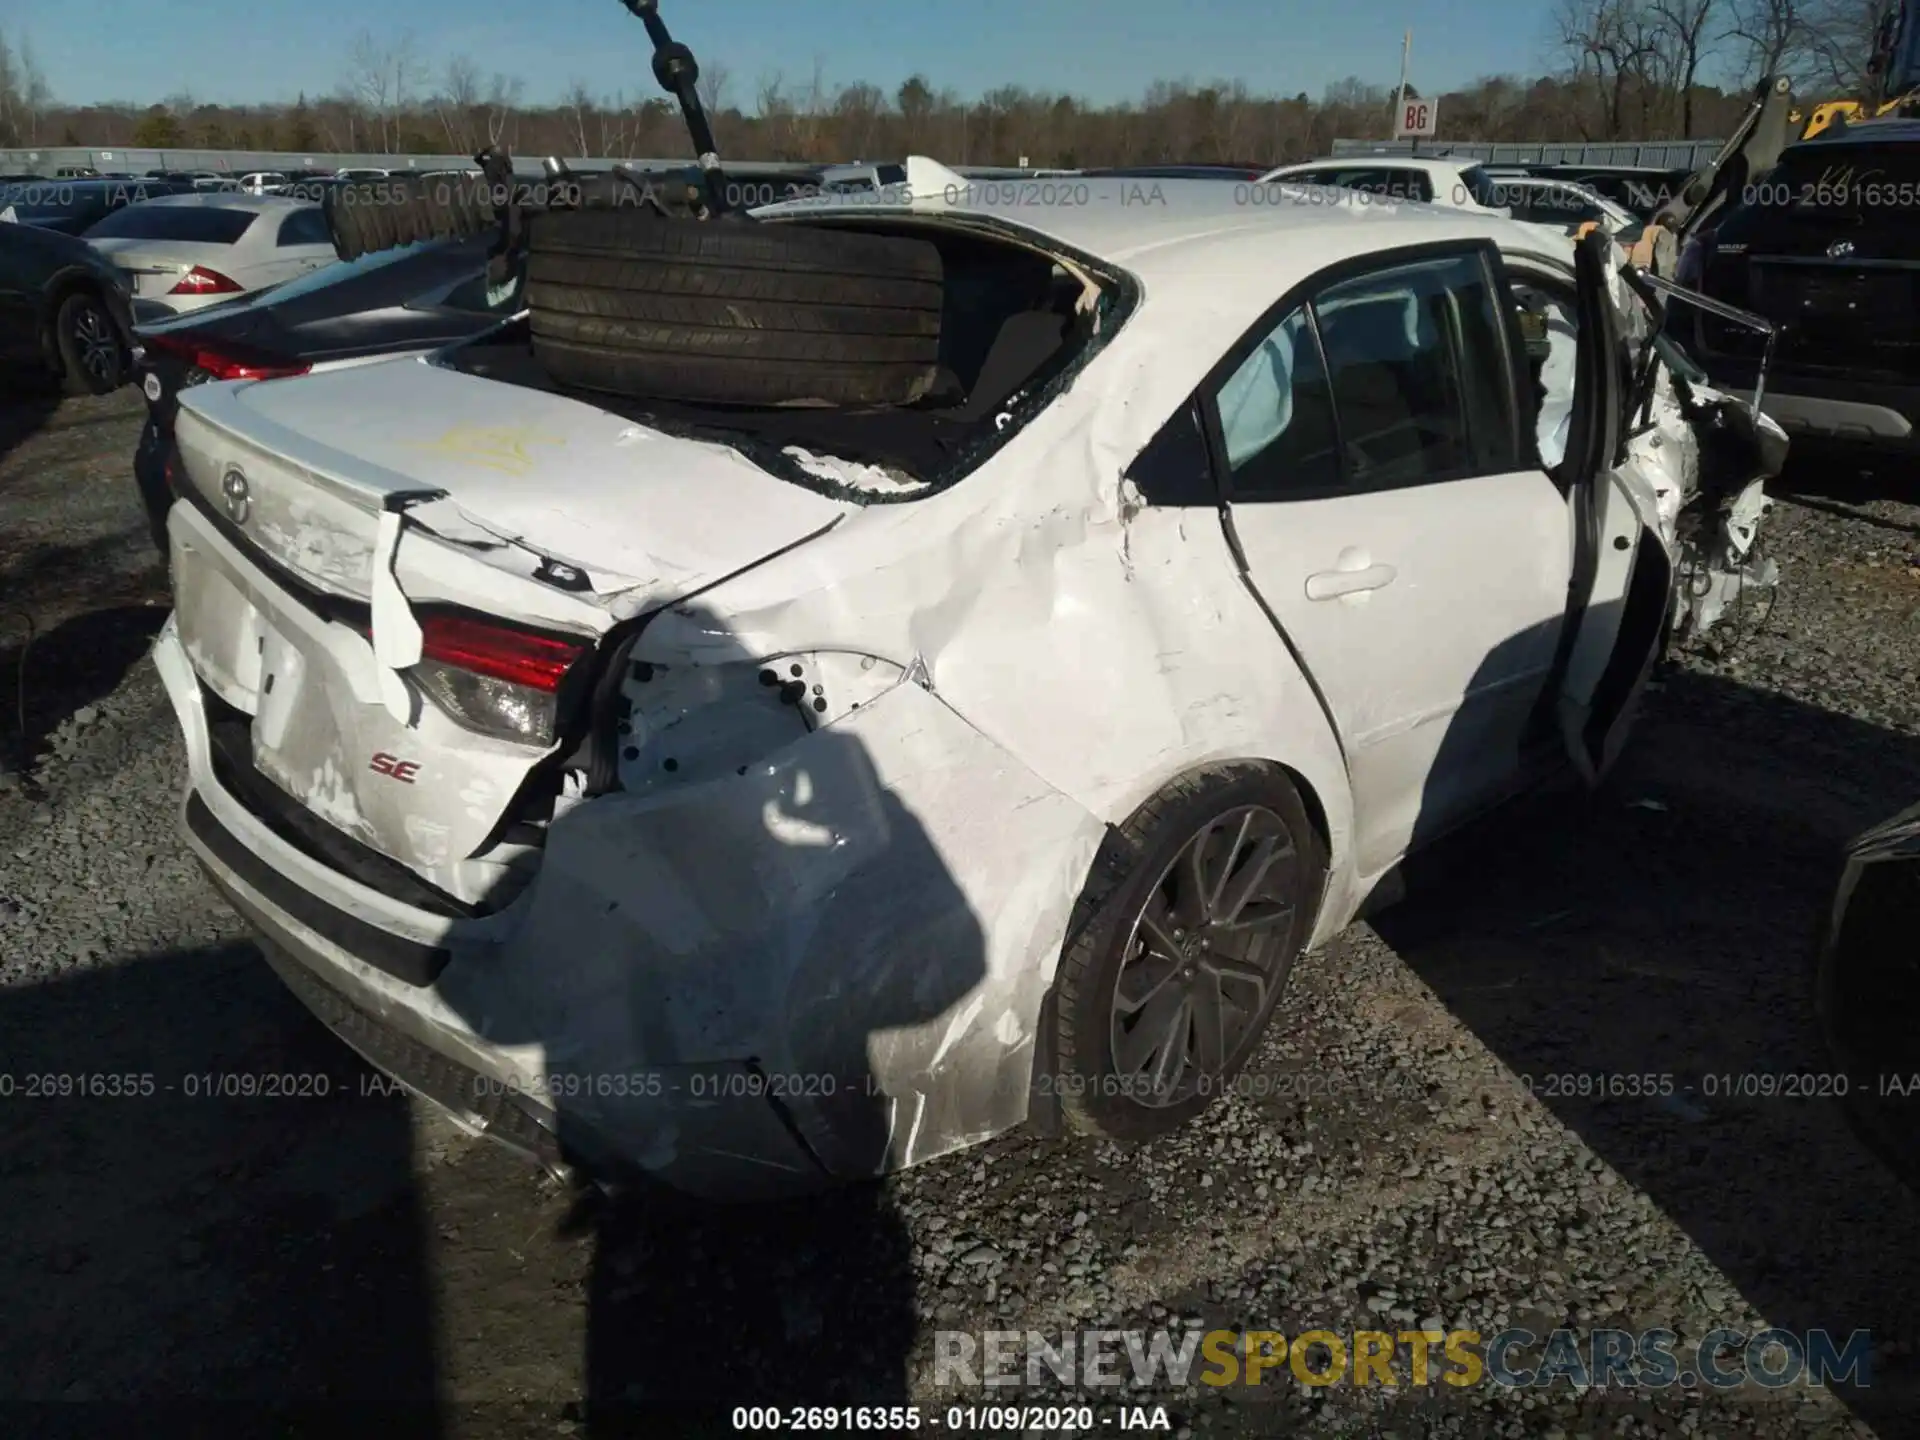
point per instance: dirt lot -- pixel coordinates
(1406, 1154)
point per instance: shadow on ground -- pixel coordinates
(27, 402)
(695, 1308)
(165, 1240)
(1675, 937)
(1844, 485)
(45, 678)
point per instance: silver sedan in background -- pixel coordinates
(183, 252)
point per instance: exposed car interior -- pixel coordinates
(1012, 321)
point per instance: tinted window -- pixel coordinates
(473, 295)
(306, 227)
(1551, 205)
(341, 270)
(1395, 183)
(197, 224)
(1417, 373)
(1276, 417)
(1484, 189)
(1880, 185)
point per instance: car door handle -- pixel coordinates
(1332, 584)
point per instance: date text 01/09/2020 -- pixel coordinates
(958, 1419)
(1719, 1085)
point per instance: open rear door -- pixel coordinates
(1622, 592)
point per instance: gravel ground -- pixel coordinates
(1404, 1153)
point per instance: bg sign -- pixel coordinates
(1417, 117)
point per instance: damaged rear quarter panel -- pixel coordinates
(1109, 646)
(856, 914)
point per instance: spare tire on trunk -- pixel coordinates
(365, 216)
(633, 303)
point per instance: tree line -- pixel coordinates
(1619, 70)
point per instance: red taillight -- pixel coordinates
(498, 651)
(225, 366)
(202, 281)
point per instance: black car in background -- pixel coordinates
(73, 206)
(1245, 173)
(1639, 189)
(391, 302)
(64, 311)
(1826, 245)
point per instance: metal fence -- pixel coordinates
(1663, 155)
(1650, 154)
(49, 161)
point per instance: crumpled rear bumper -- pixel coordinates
(827, 968)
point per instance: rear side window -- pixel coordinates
(1420, 384)
(1276, 416)
(306, 227)
(1393, 378)
(195, 224)
(1395, 184)
(1552, 205)
(1481, 187)
(474, 295)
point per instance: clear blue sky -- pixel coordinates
(240, 50)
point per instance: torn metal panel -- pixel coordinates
(869, 915)
(854, 476)
(316, 691)
(1119, 606)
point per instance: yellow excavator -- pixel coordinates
(1893, 71)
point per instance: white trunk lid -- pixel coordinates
(633, 508)
(293, 483)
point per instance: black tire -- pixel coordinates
(629, 302)
(365, 216)
(93, 352)
(1100, 1095)
(1866, 984)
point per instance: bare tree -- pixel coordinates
(1773, 34)
(617, 124)
(1685, 33)
(915, 101)
(578, 107)
(713, 87)
(382, 79)
(1613, 46)
(856, 111)
(459, 103)
(503, 109)
(24, 95)
(1840, 36)
(807, 116)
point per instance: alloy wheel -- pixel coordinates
(1204, 954)
(98, 346)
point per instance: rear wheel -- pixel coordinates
(732, 312)
(93, 358)
(1165, 994)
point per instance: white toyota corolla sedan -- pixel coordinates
(764, 796)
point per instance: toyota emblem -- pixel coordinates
(1840, 249)
(234, 487)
